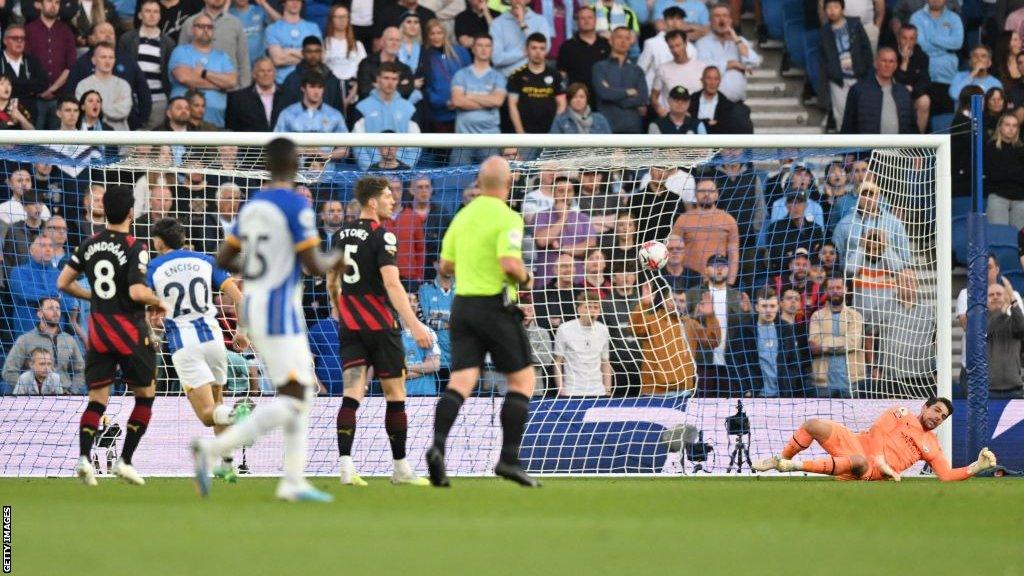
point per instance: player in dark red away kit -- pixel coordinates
(115, 263)
(368, 296)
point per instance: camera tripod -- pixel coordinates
(740, 452)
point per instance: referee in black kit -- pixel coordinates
(483, 248)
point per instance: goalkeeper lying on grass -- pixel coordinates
(895, 442)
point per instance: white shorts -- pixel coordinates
(201, 364)
(287, 358)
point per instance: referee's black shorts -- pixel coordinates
(483, 324)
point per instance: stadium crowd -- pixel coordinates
(547, 66)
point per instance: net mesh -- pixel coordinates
(641, 370)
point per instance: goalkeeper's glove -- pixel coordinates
(986, 461)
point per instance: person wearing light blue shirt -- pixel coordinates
(871, 213)
(730, 53)
(421, 364)
(436, 299)
(510, 31)
(384, 110)
(311, 115)
(478, 91)
(979, 74)
(201, 66)
(696, 11)
(254, 21)
(283, 39)
(940, 33)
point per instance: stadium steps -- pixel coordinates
(774, 100)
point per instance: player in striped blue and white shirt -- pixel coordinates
(185, 281)
(276, 234)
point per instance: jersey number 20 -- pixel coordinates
(196, 299)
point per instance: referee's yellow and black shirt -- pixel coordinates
(480, 234)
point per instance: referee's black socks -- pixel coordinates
(347, 425)
(514, 413)
(447, 410)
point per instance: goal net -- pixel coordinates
(801, 279)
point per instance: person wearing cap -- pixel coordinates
(283, 38)
(311, 114)
(682, 71)
(200, 66)
(228, 36)
(812, 294)
(656, 51)
(510, 31)
(677, 119)
(782, 238)
(730, 305)
(384, 110)
(801, 181)
(393, 13)
(410, 51)
(313, 61)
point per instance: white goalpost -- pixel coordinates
(641, 371)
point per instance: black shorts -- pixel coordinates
(381, 349)
(138, 369)
(483, 324)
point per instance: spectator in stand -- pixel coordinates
(422, 363)
(392, 13)
(445, 12)
(620, 87)
(625, 351)
(390, 42)
(707, 230)
(620, 244)
(578, 118)
(19, 183)
(115, 93)
(912, 73)
(410, 50)
(595, 279)
(52, 42)
(837, 196)
(834, 335)
(436, 297)
(994, 108)
(197, 112)
(39, 379)
(22, 233)
(384, 110)
(870, 13)
(979, 75)
(125, 67)
(161, 202)
(577, 56)
(1005, 331)
(228, 37)
(478, 91)
(940, 33)
(812, 294)
(31, 282)
(256, 108)
(87, 17)
(313, 61)
(177, 119)
(668, 338)
(729, 305)
(445, 60)
(655, 205)
(828, 258)
(407, 225)
(435, 219)
(718, 113)
(781, 238)
(387, 159)
(656, 51)
(595, 200)
(675, 273)
(676, 118)
(556, 301)
(151, 49)
(28, 77)
(872, 212)
(1007, 48)
(13, 114)
(729, 52)
(332, 218)
(904, 9)
(535, 91)
(562, 230)
(695, 12)
(845, 54)
(611, 15)
(877, 104)
(681, 70)
(255, 16)
(343, 52)
(475, 19)
(56, 229)
(200, 66)
(510, 32)
(1004, 172)
(68, 363)
(311, 115)
(283, 38)
(582, 351)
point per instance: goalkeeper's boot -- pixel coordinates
(403, 474)
(226, 471)
(240, 411)
(349, 476)
(766, 464)
(201, 467)
(515, 473)
(435, 466)
(85, 471)
(304, 492)
(784, 465)
(128, 473)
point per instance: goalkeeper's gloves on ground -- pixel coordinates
(986, 461)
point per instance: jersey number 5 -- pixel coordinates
(351, 275)
(254, 264)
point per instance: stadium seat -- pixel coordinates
(961, 206)
(774, 19)
(812, 50)
(1016, 278)
(1008, 258)
(941, 123)
(959, 232)
(1001, 235)
(794, 37)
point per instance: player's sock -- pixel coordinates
(137, 423)
(396, 424)
(444, 416)
(268, 417)
(799, 442)
(347, 425)
(228, 461)
(88, 426)
(295, 442)
(833, 466)
(514, 413)
(221, 415)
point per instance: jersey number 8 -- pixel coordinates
(104, 285)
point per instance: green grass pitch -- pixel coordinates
(486, 526)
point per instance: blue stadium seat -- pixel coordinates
(959, 233)
(1017, 279)
(774, 18)
(961, 206)
(941, 123)
(795, 32)
(812, 54)
(1001, 235)
(1008, 258)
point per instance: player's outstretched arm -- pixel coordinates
(67, 283)
(317, 263)
(986, 461)
(400, 301)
